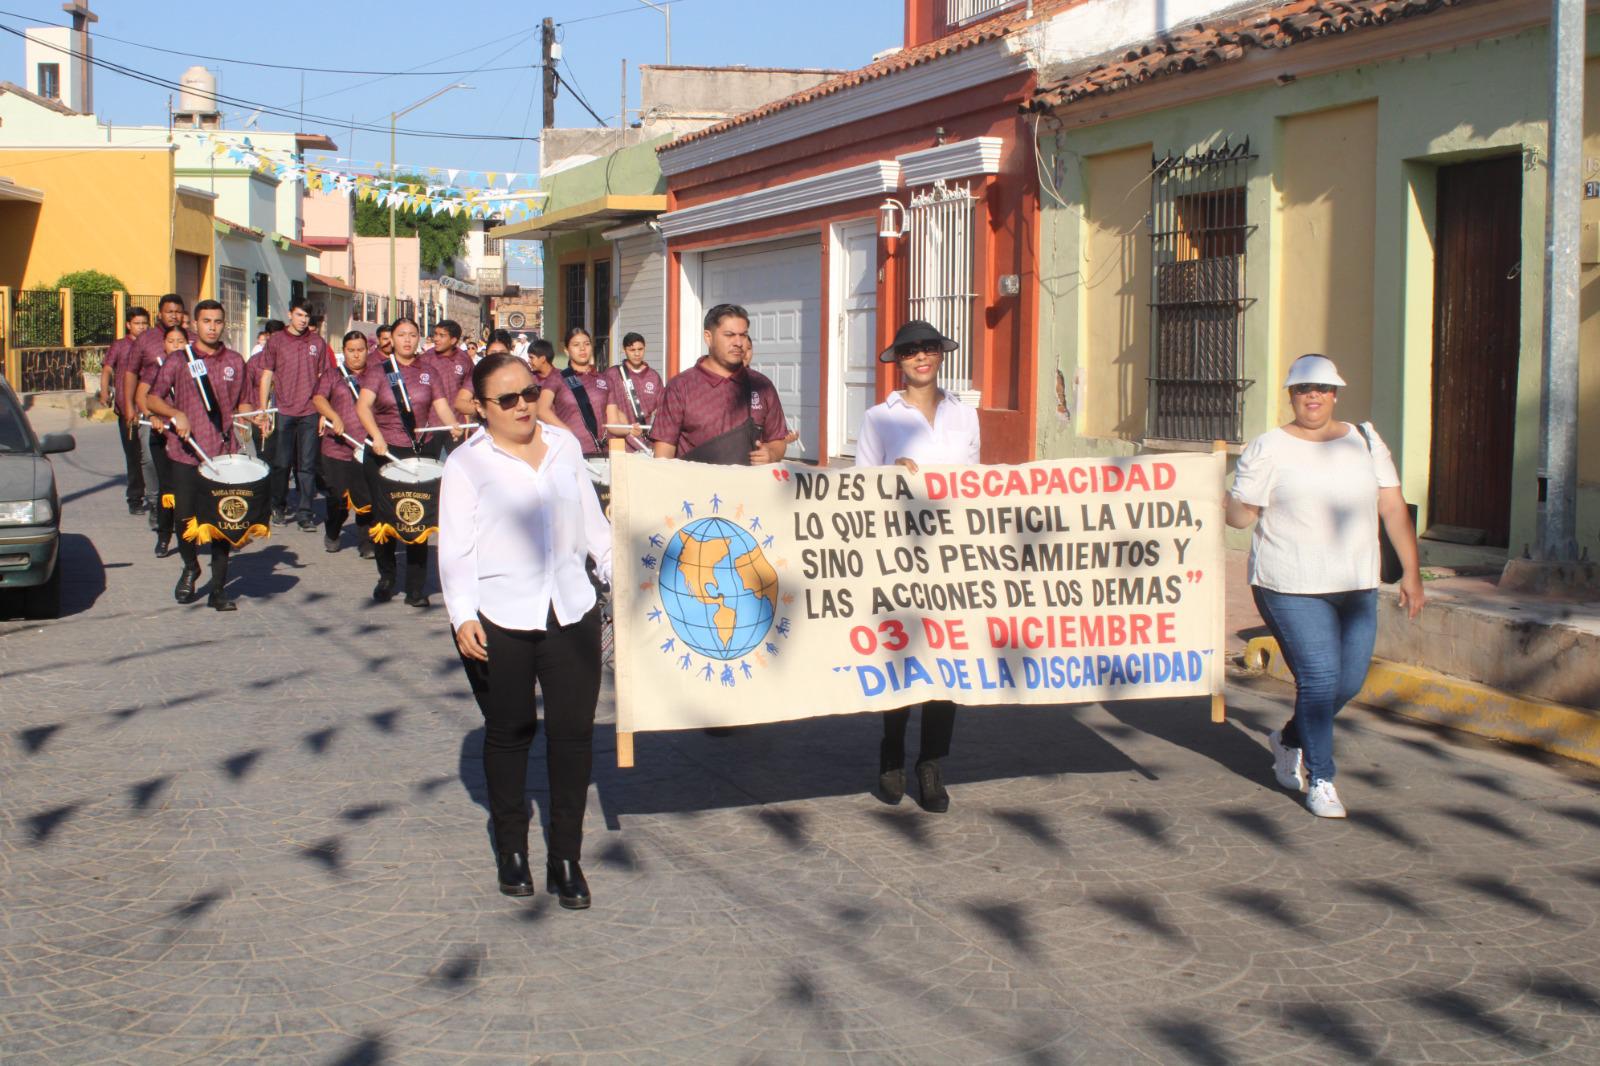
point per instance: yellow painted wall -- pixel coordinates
(1328, 203)
(1115, 274)
(192, 231)
(104, 209)
(1589, 331)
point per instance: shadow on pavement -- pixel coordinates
(83, 574)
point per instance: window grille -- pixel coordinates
(941, 234)
(574, 295)
(1198, 233)
(960, 11)
(602, 313)
(50, 81)
(233, 293)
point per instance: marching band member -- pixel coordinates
(199, 392)
(921, 423)
(517, 522)
(138, 373)
(391, 411)
(338, 391)
(719, 410)
(135, 449)
(635, 391)
(579, 395)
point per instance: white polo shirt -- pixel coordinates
(895, 430)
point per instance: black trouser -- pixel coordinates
(164, 484)
(133, 458)
(187, 484)
(938, 725)
(296, 447)
(565, 663)
(345, 481)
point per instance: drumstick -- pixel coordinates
(252, 414)
(627, 425)
(466, 427)
(205, 459)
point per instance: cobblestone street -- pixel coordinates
(262, 836)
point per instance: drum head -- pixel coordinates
(235, 470)
(412, 471)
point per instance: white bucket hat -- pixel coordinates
(1313, 370)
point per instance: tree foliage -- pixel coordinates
(441, 235)
(89, 281)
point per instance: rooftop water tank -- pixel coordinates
(199, 95)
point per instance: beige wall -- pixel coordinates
(329, 215)
(1328, 205)
(1115, 274)
(371, 259)
(1589, 331)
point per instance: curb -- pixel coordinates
(1413, 692)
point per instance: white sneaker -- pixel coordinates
(1287, 763)
(1323, 801)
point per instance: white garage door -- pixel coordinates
(780, 284)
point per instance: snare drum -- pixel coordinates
(405, 499)
(234, 501)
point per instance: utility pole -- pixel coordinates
(82, 18)
(1558, 406)
(548, 35)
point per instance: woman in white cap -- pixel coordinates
(921, 423)
(1315, 489)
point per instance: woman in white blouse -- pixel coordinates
(921, 423)
(517, 519)
(1315, 489)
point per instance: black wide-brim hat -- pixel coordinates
(915, 332)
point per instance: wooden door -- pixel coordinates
(1477, 321)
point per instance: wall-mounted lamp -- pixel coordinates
(888, 227)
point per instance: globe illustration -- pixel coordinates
(718, 589)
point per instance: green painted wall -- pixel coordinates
(633, 171)
(1479, 99)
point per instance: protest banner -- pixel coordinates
(745, 595)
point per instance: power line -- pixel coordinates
(579, 97)
(441, 59)
(268, 109)
(283, 66)
(618, 11)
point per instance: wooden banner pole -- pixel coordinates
(1219, 666)
(618, 446)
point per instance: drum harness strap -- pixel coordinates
(402, 397)
(585, 408)
(208, 396)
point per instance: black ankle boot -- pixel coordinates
(515, 880)
(565, 878)
(930, 783)
(220, 601)
(183, 591)
(383, 591)
(891, 774)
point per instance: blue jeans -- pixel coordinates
(1327, 643)
(295, 447)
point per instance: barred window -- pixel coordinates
(1198, 231)
(942, 235)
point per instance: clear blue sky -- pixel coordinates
(457, 35)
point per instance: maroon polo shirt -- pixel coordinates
(647, 389)
(149, 351)
(700, 404)
(419, 380)
(598, 389)
(335, 387)
(296, 362)
(176, 385)
(454, 368)
(117, 359)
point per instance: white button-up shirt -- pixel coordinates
(512, 539)
(895, 430)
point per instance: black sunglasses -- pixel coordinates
(906, 351)
(1307, 388)
(509, 400)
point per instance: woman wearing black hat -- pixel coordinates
(921, 423)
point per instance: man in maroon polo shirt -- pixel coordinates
(139, 368)
(179, 394)
(120, 400)
(635, 392)
(719, 410)
(291, 363)
(564, 408)
(455, 366)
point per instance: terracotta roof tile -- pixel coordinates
(1204, 46)
(988, 30)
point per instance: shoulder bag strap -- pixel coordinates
(402, 397)
(585, 408)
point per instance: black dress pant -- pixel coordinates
(938, 726)
(187, 484)
(164, 484)
(133, 459)
(564, 661)
(295, 448)
(345, 483)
